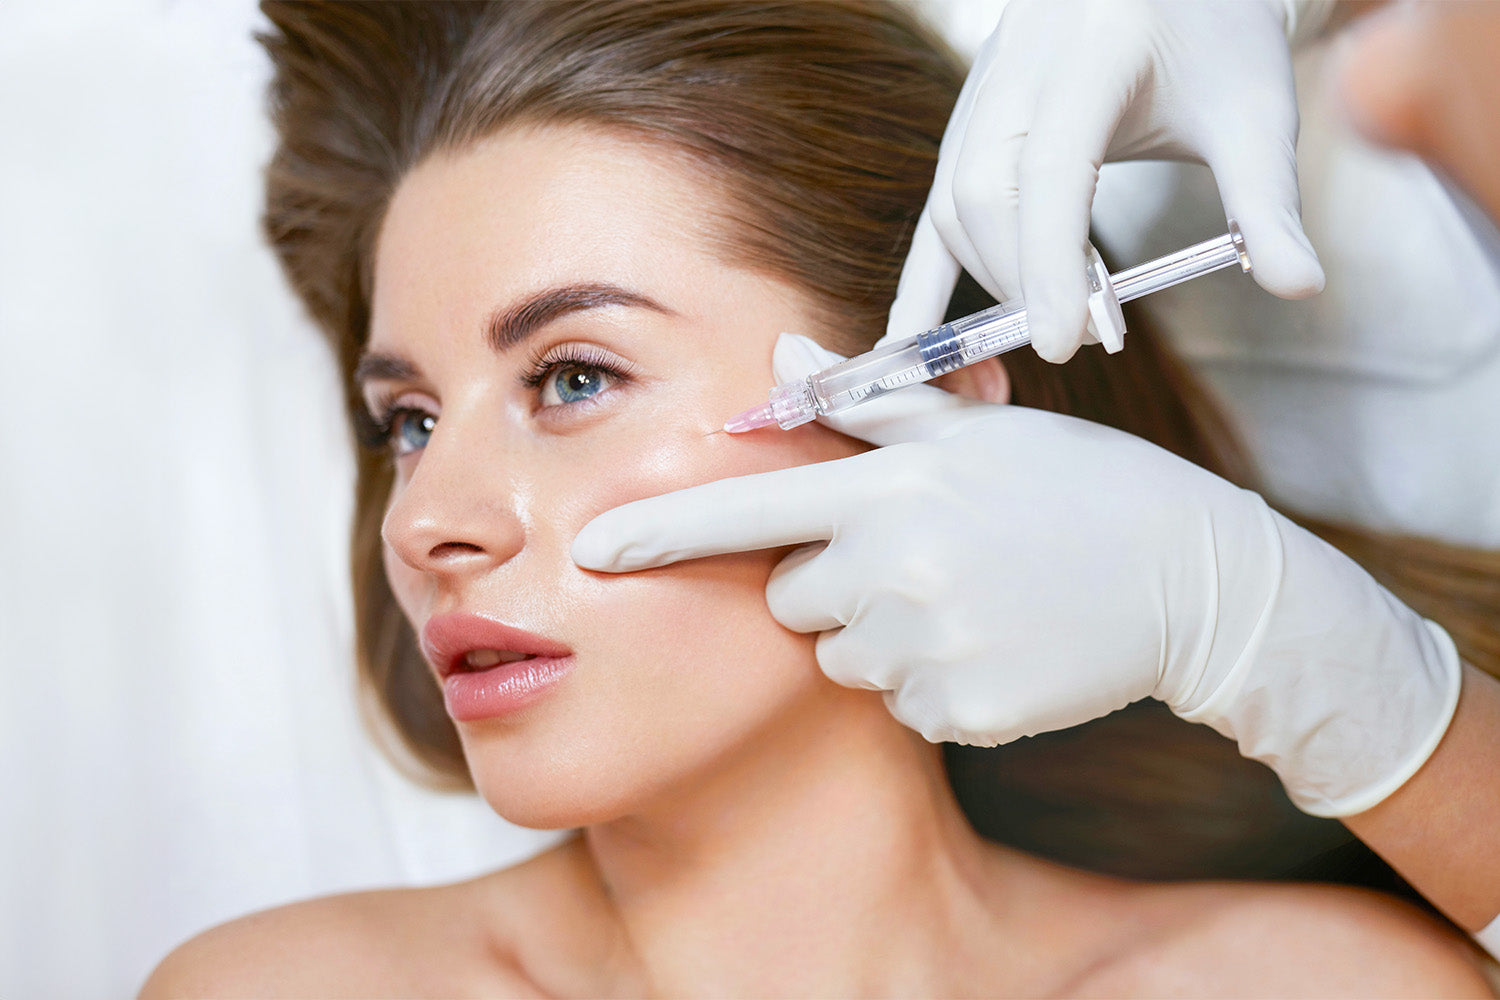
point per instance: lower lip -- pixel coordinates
(504, 689)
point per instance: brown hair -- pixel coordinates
(822, 122)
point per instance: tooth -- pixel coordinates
(483, 658)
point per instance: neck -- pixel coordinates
(831, 859)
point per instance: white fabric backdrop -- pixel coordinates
(178, 738)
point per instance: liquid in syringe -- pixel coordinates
(981, 335)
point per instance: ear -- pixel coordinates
(986, 381)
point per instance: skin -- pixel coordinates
(1441, 842)
(749, 828)
(1423, 78)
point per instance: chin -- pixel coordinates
(550, 776)
(558, 802)
(651, 711)
(552, 784)
(545, 812)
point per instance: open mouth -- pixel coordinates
(488, 669)
(483, 659)
(460, 644)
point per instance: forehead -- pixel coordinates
(539, 207)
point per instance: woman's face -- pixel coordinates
(553, 336)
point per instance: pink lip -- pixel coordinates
(473, 695)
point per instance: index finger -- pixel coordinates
(766, 510)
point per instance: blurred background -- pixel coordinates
(179, 739)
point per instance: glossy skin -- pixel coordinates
(751, 828)
(482, 517)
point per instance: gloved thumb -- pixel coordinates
(915, 413)
(1260, 193)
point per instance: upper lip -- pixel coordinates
(447, 639)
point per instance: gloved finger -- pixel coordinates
(926, 283)
(926, 702)
(846, 661)
(1258, 184)
(914, 705)
(791, 506)
(809, 591)
(944, 209)
(915, 413)
(986, 182)
(795, 357)
(1059, 173)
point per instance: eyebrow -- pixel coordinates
(373, 366)
(506, 328)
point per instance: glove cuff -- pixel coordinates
(1446, 673)
(1343, 691)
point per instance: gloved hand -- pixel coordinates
(1064, 85)
(1002, 571)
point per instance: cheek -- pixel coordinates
(412, 589)
(640, 458)
(685, 621)
(403, 581)
(699, 612)
(398, 576)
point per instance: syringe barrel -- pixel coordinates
(917, 359)
(867, 375)
(975, 337)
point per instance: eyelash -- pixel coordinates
(375, 430)
(543, 364)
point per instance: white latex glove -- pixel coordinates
(1064, 85)
(1001, 571)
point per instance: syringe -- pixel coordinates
(983, 335)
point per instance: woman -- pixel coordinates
(554, 245)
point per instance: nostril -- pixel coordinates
(451, 549)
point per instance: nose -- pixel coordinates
(459, 512)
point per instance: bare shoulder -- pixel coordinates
(380, 943)
(1294, 940)
(442, 941)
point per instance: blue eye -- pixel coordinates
(410, 430)
(574, 383)
(568, 377)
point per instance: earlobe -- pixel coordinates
(986, 381)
